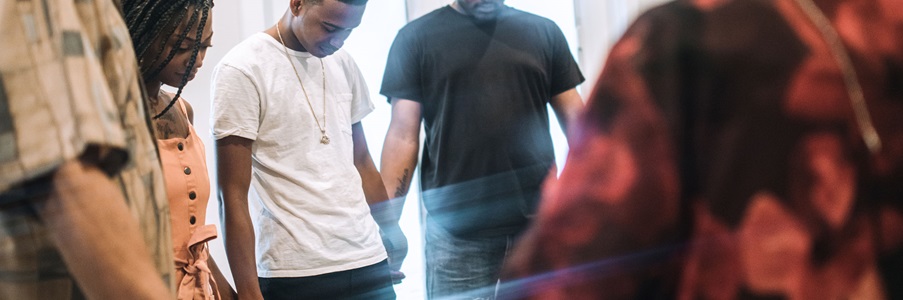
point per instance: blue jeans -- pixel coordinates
(463, 267)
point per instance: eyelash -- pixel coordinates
(202, 47)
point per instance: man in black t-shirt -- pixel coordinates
(480, 76)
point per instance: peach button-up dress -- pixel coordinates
(188, 189)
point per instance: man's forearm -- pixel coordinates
(399, 155)
(82, 196)
(567, 107)
(371, 182)
(398, 162)
(239, 240)
(234, 172)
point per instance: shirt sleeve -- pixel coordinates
(402, 76)
(63, 93)
(361, 105)
(564, 69)
(236, 105)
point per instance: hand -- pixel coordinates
(396, 247)
(397, 276)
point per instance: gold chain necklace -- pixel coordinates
(854, 88)
(324, 139)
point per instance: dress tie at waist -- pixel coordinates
(197, 282)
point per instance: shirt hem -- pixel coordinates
(320, 271)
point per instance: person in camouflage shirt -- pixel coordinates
(83, 212)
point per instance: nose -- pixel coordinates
(199, 60)
(338, 40)
(336, 43)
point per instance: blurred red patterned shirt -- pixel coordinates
(720, 157)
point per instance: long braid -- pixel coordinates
(146, 33)
(191, 62)
(142, 19)
(169, 31)
(137, 15)
(169, 16)
(176, 46)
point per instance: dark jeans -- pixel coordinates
(370, 282)
(459, 268)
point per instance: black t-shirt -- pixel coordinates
(483, 88)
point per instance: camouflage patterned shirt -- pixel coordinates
(69, 89)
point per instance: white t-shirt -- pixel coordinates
(313, 217)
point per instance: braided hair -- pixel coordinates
(152, 22)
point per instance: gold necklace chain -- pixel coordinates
(324, 139)
(854, 88)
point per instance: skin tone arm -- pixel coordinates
(567, 107)
(189, 111)
(374, 190)
(115, 246)
(399, 156)
(234, 172)
(225, 290)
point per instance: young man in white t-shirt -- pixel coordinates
(287, 106)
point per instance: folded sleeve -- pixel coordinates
(236, 104)
(62, 90)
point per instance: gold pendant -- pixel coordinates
(324, 140)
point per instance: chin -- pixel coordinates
(485, 15)
(176, 80)
(323, 53)
(485, 18)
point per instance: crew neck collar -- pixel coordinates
(271, 40)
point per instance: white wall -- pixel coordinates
(417, 8)
(600, 23)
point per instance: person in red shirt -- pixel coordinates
(733, 149)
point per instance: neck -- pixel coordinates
(153, 89)
(288, 35)
(457, 8)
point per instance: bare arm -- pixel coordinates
(384, 212)
(222, 285)
(82, 195)
(374, 190)
(399, 156)
(234, 173)
(567, 107)
(189, 111)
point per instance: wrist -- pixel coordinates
(387, 213)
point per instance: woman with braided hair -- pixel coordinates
(170, 40)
